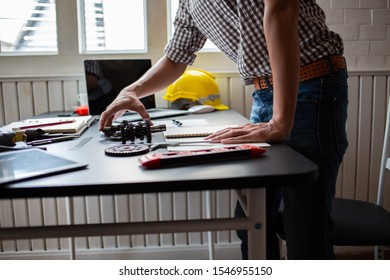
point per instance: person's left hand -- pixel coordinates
(250, 133)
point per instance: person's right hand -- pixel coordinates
(126, 100)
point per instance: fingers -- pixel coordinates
(232, 134)
(222, 133)
(118, 107)
(249, 133)
(144, 114)
(108, 116)
(105, 120)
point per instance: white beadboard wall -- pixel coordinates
(22, 97)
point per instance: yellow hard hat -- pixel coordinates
(196, 85)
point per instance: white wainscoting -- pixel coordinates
(22, 97)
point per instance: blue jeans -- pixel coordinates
(319, 134)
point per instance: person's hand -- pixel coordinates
(251, 133)
(126, 100)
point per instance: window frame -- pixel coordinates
(68, 61)
(82, 34)
(18, 53)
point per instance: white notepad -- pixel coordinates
(185, 135)
(70, 124)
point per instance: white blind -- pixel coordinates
(113, 25)
(28, 26)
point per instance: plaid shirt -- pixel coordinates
(236, 28)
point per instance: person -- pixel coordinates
(295, 62)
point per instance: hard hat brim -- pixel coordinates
(220, 107)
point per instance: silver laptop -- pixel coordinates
(31, 163)
(105, 78)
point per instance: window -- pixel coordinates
(112, 26)
(28, 26)
(173, 5)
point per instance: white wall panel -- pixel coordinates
(107, 208)
(194, 212)
(10, 102)
(364, 135)
(41, 97)
(25, 99)
(7, 220)
(93, 217)
(21, 219)
(122, 215)
(56, 96)
(50, 218)
(180, 211)
(166, 214)
(137, 215)
(80, 217)
(35, 216)
(151, 215)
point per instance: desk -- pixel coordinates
(109, 175)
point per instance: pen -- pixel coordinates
(51, 140)
(177, 123)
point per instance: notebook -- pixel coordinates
(192, 138)
(69, 125)
(31, 163)
(105, 78)
(182, 133)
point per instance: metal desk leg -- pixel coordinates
(257, 216)
(70, 214)
(209, 215)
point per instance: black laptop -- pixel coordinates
(105, 78)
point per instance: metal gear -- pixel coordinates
(126, 150)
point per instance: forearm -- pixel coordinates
(281, 32)
(161, 75)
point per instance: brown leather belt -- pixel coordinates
(316, 69)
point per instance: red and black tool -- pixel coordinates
(152, 161)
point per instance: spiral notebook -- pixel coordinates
(186, 135)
